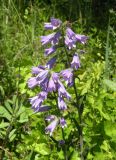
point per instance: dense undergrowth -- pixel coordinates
(22, 134)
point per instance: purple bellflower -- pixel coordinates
(50, 118)
(37, 70)
(50, 128)
(81, 38)
(63, 122)
(51, 85)
(50, 50)
(62, 91)
(71, 35)
(51, 63)
(36, 101)
(47, 39)
(75, 62)
(69, 43)
(55, 23)
(55, 77)
(61, 104)
(56, 38)
(32, 82)
(67, 76)
(44, 108)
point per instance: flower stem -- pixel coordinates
(80, 129)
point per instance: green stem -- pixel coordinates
(80, 130)
(63, 136)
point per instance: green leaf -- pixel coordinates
(110, 129)
(2, 91)
(4, 113)
(75, 156)
(42, 148)
(110, 84)
(4, 124)
(12, 135)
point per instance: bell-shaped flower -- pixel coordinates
(37, 70)
(47, 39)
(81, 38)
(63, 122)
(69, 43)
(75, 62)
(56, 38)
(51, 63)
(62, 91)
(44, 108)
(50, 118)
(55, 23)
(36, 101)
(50, 128)
(50, 50)
(67, 76)
(44, 84)
(32, 82)
(55, 77)
(61, 104)
(42, 75)
(71, 35)
(51, 85)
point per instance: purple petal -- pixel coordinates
(75, 62)
(67, 76)
(32, 82)
(50, 118)
(69, 43)
(42, 75)
(56, 38)
(44, 108)
(51, 63)
(61, 104)
(50, 128)
(63, 122)
(55, 23)
(51, 85)
(62, 91)
(55, 77)
(48, 26)
(50, 50)
(71, 35)
(47, 39)
(81, 38)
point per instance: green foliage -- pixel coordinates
(22, 134)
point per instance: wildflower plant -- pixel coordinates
(56, 83)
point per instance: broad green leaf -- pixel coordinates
(4, 124)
